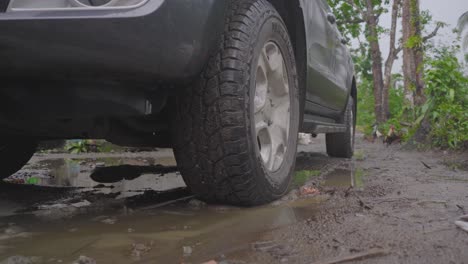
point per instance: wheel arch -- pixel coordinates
(291, 13)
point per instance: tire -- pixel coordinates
(14, 154)
(218, 148)
(341, 145)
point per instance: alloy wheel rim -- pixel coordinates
(272, 107)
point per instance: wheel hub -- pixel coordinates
(272, 107)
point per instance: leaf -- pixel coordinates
(451, 95)
(33, 180)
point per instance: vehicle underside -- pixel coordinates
(180, 74)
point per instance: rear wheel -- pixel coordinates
(14, 154)
(235, 134)
(341, 145)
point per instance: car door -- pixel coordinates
(342, 69)
(321, 48)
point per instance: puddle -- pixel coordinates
(171, 234)
(147, 226)
(126, 177)
(344, 178)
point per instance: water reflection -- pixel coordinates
(126, 177)
(344, 178)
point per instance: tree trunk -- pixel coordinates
(413, 67)
(376, 56)
(392, 56)
(419, 98)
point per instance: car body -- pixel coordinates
(78, 70)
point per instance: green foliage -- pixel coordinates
(359, 175)
(414, 42)
(301, 177)
(366, 114)
(359, 155)
(82, 146)
(447, 91)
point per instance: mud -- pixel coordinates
(385, 207)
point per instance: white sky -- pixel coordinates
(447, 11)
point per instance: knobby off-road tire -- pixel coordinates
(14, 154)
(243, 106)
(341, 145)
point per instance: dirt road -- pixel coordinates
(387, 205)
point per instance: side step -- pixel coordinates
(320, 125)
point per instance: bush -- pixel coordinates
(447, 104)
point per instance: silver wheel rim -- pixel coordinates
(272, 107)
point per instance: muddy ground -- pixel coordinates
(387, 205)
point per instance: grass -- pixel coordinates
(359, 155)
(359, 175)
(301, 177)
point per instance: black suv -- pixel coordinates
(228, 84)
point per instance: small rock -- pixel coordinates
(210, 262)
(81, 204)
(337, 240)
(13, 230)
(84, 260)
(309, 190)
(197, 204)
(52, 206)
(22, 260)
(109, 221)
(188, 250)
(139, 249)
(304, 139)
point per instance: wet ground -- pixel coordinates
(385, 206)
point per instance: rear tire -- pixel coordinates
(341, 145)
(235, 131)
(14, 154)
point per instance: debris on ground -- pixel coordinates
(210, 262)
(309, 190)
(64, 205)
(426, 165)
(188, 250)
(52, 206)
(355, 257)
(84, 260)
(139, 249)
(304, 139)
(83, 203)
(14, 231)
(196, 204)
(462, 223)
(22, 260)
(109, 221)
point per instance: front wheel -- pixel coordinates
(235, 132)
(14, 154)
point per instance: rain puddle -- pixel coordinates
(177, 233)
(124, 176)
(167, 227)
(344, 178)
